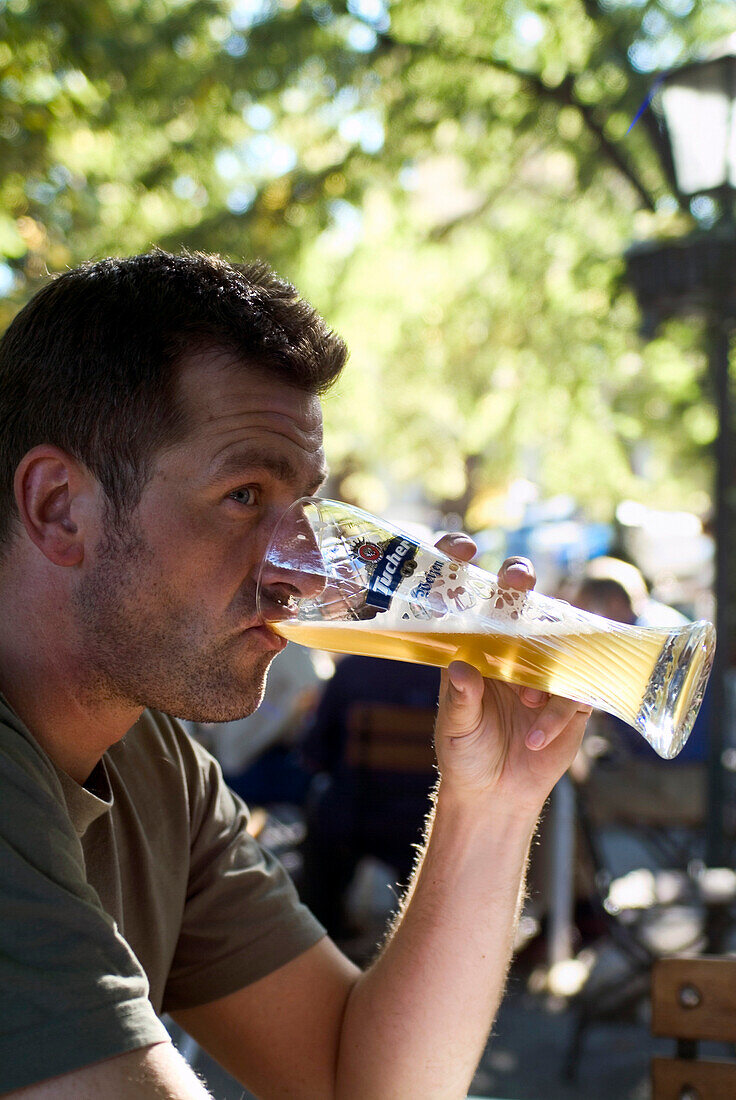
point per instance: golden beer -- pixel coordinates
(338, 579)
(608, 669)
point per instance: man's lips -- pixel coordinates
(267, 637)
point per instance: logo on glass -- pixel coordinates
(391, 562)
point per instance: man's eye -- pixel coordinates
(246, 494)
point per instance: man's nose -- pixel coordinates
(293, 569)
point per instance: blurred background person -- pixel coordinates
(617, 590)
(369, 750)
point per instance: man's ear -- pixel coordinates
(55, 495)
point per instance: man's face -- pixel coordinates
(167, 608)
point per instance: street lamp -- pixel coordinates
(696, 274)
(698, 104)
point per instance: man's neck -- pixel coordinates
(45, 681)
(74, 731)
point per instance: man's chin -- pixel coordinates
(216, 713)
(226, 703)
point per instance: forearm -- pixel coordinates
(157, 1072)
(420, 1017)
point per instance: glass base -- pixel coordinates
(675, 690)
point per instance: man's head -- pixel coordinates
(157, 416)
(606, 597)
(613, 588)
(90, 365)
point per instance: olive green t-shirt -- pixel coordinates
(139, 893)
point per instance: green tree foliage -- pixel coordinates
(452, 184)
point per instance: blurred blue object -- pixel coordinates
(562, 543)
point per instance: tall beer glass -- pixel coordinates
(336, 578)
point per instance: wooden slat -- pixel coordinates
(671, 1077)
(695, 998)
(390, 738)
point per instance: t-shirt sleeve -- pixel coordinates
(71, 990)
(242, 918)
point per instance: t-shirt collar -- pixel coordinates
(86, 803)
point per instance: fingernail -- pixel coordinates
(535, 740)
(533, 696)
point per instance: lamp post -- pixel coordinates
(697, 275)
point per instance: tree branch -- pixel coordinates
(619, 49)
(562, 93)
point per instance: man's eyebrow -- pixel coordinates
(241, 461)
(238, 462)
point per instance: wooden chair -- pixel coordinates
(390, 738)
(639, 934)
(694, 999)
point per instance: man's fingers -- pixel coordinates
(530, 697)
(551, 721)
(461, 703)
(517, 573)
(457, 545)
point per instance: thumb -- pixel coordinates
(461, 706)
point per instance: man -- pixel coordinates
(158, 415)
(617, 590)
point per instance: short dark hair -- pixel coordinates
(90, 363)
(603, 588)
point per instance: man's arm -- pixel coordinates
(434, 992)
(416, 1022)
(156, 1072)
(280, 1035)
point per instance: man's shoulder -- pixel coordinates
(21, 756)
(38, 834)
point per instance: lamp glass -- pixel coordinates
(698, 105)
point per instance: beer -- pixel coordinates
(339, 579)
(609, 669)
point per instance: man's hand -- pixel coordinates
(499, 739)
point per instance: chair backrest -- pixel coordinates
(388, 778)
(388, 738)
(694, 999)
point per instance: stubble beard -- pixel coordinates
(141, 649)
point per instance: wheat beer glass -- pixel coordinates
(336, 578)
